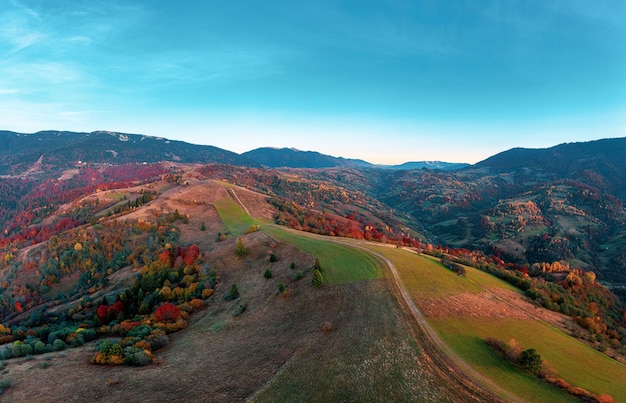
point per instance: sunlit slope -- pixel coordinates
(437, 290)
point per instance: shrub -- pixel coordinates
(6, 353)
(241, 309)
(268, 273)
(530, 360)
(297, 275)
(513, 351)
(136, 356)
(140, 331)
(157, 339)
(292, 265)
(497, 344)
(171, 327)
(273, 258)
(4, 384)
(579, 392)
(58, 345)
(39, 347)
(108, 352)
(233, 294)
(604, 398)
(20, 349)
(207, 292)
(558, 382)
(196, 303)
(281, 287)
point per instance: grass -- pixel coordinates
(424, 276)
(369, 357)
(461, 336)
(574, 361)
(340, 263)
(236, 220)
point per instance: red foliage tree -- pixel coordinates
(102, 312)
(166, 257)
(167, 312)
(191, 254)
(117, 307)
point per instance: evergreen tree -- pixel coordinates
(318, 279)
(317, 265)
(240, 248)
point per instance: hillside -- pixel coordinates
(529, 206)
(105, 267)
(600, 164)
(278, 328)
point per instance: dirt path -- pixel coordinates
(463, 382)
(446, 363)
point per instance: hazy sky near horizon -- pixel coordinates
(385, 81)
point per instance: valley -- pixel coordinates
(228, 283)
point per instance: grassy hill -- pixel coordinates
(348, 339)
(466, 311)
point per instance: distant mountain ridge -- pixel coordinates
(19, 151)
(439, 165)
(599, 163)
(293, 158)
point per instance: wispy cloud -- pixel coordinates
(7, 91)
(18, 34)
(176, 67)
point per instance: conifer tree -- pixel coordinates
(240, 248)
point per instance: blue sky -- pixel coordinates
(385, 81)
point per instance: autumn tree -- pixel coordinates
(167, 312)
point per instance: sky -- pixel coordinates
(387, 81)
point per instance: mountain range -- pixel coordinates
(19, 151)
(528, 205)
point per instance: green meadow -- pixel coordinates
(577, 363)
(340, 263)
(235, 219)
